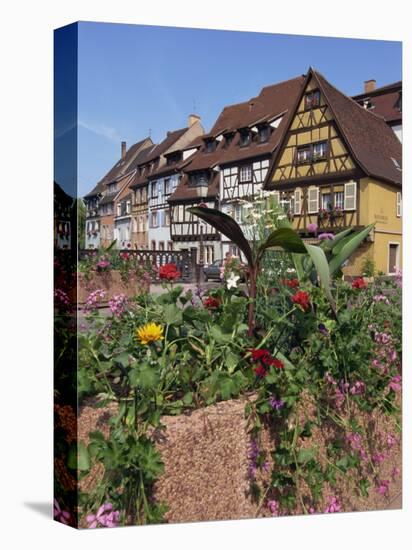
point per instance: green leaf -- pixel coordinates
(318, 257)
(225, 225)
(172, 315)
(346, 247)
(285, 238)
(329, 244)
(78, 457)
(148, 378)
(298, 263)
(305, 455)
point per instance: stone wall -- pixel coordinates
(205, 454)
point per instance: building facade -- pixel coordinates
(337, 166)
(99, 202)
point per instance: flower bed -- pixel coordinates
(208, 463)
(112, 283)
(282, 398)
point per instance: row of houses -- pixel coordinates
(329, 160)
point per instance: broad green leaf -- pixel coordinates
(148, 378)
(285, 238)
(172, 315)
(297, 260)
(318, 257)
(78, 457)
(329, 244)
(346, 247)
(305, 455)
(225, 225)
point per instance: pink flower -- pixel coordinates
(118, 304)
(273, 506)
(312, 228)
(383, 487)
(357, 388)
(395, 472)
(105, 516)
(378, 458)
(390, 440)
(333, 506)
(60, 515)
(395, 383)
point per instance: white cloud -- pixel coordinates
(101, 130)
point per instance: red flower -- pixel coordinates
(211, 303)
(277, 363)
(124, 255)
(291, 283)
(266, 360)
(169, 272)
(359, 283)
(261, 355)
(261, 371)
(302, 299)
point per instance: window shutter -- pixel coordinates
(298, 201)
(398, 204)
(350, 196)
(313, 200)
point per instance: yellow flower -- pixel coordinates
(150, 332)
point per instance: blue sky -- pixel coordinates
(138, 79)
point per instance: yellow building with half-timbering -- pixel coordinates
(337, 166)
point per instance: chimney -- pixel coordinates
(193, 119)
(123, 149)
(369, 86)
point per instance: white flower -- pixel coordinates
(232, 281)
(248, 205)
(290, 270)
(282, 217)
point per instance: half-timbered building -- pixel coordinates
(338, 165)
(230, 166)
(154, 181)
(100, 200)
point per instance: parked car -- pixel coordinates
(212, 271)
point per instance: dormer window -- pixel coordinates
(228, 139)
(173, 158)
(263, 134)
(312, 99)
(210, 145)
(245, 138)
(199, 179)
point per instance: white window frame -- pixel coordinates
(297, 208)
(348, 196)
(276, 196)
(330, 201)
(247, 168)
(335, 204)
(154, 219)
(312, 210)
(398, 204)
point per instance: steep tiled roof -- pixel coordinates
(272, 102)
(121, 167)
(384, 101)
(371, 140)
(373, 144)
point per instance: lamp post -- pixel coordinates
(201, 255)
